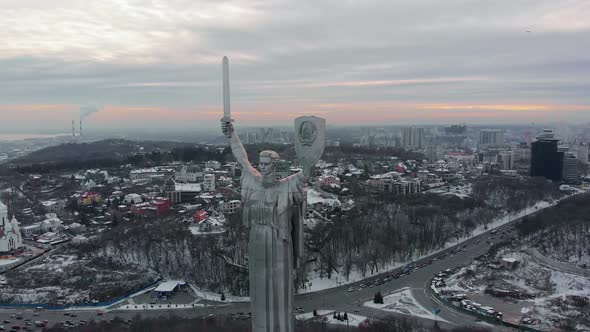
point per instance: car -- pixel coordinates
(6, 321)
(100, 313)
(351, 289)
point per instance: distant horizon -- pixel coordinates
(188, 130)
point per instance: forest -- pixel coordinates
(376, 233)
(562, 232)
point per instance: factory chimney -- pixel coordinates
(80, 127)
(73, 129)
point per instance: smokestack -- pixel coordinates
(73, 129)
(80, 127)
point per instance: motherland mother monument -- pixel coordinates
(273, 210)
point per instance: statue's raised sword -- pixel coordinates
(226, 108)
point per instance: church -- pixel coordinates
(10, 236)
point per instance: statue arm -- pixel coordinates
(240, 154)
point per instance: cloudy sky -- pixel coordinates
(148, 64)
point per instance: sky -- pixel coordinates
(157, 64)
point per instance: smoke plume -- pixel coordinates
(86, 110)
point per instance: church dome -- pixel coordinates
(14, 222)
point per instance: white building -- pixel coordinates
(570, 172)
(10, 236)
(144, 174)
(230, 207)
(53, 205)
(209, 182)
(327, 180)
(77, 228)
(582, 153)
(51, 224)
(132, 199)
(79, 239)
(505, 160)
(189, 173)
(213, 164)
(30, 230)
(426, 177)
(88, 185)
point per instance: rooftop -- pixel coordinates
(169, 286)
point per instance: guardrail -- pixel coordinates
(480, 316)
(74, 306)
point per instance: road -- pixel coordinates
(339, 298)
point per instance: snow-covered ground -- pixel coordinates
(210, 296)
(309, 315)
(315, 197)
(4, 262)
(353, 320)
(402, 301)
(196, 230)
(327, 316)
(554, 291)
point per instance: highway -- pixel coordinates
(339, 298)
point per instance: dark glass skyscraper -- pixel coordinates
(546, 160)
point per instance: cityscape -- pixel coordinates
(354, 180)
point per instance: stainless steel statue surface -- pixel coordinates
(273, 209)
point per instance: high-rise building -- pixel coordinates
(491, 137)
(570, 167)
(506, 160)
(583, 153)
(252, 137)
(209, 182)
(413, 137)
(546, 159)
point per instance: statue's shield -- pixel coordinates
(310, 138)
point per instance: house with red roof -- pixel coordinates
(200, 216)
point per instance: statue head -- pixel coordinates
(267, 162)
